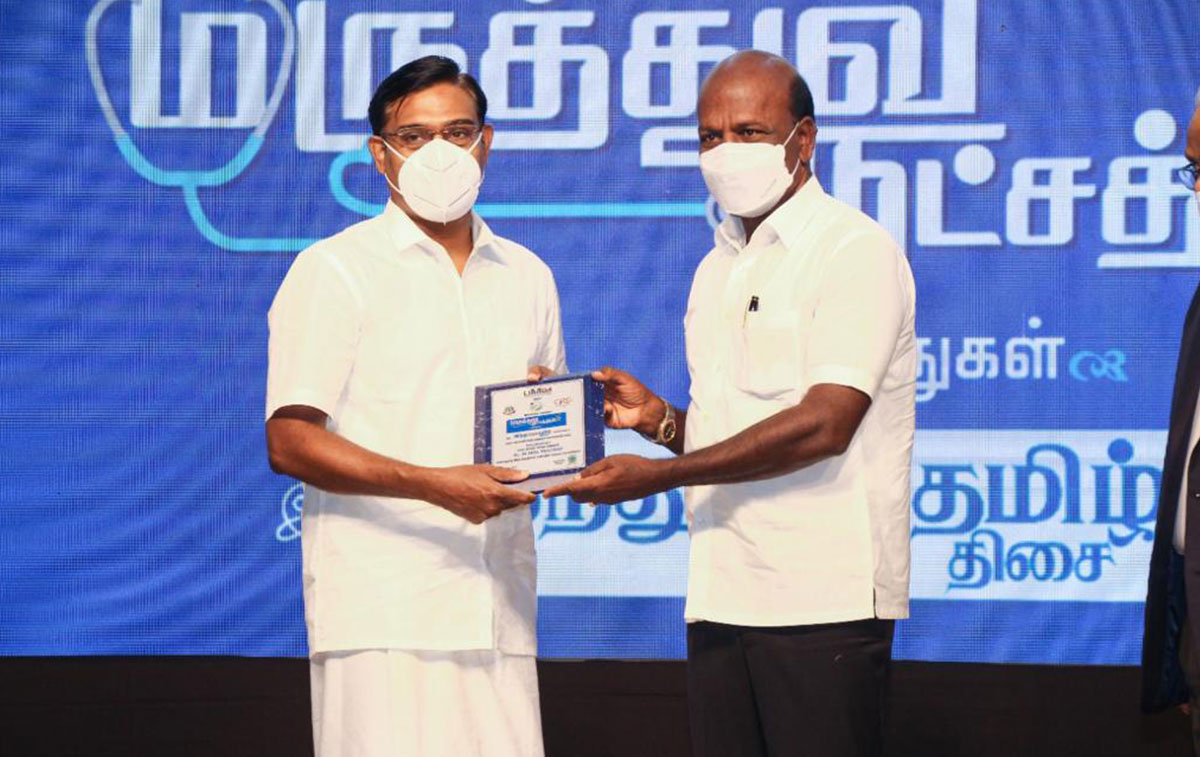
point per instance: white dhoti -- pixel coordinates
(396, 703)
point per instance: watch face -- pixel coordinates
(668, 431)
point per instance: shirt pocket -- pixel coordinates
(767, 355)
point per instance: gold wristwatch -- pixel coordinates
(665, 433)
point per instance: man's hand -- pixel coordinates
(537, 373)
(628, 403)
(617, 479)
(476, 492)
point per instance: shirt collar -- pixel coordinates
(405, 234)
(785, 223)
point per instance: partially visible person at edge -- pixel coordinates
(796, 447)
(1170, 654)
(419, 569)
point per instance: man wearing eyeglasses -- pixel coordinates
(1170, 651)
(419, 569)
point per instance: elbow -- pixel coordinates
(835, 447)
(277, 462)
(277, 455)
(290, 437)
(835, 440)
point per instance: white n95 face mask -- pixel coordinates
(747, 178)
(440, 181)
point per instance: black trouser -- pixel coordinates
(1191, 671)
(793, 691)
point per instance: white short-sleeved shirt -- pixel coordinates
(375, 327)
(820, 295)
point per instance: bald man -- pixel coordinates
(1170, 654)
(796, 446)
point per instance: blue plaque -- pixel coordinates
(551, 429)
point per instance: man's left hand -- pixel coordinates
(537, 373)
(619, 478)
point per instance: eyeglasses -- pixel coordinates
(1188, 175)
(416, 137)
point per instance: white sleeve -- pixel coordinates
(865, 298)
(552, 352)
(314, 327)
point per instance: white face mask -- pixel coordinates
(440, 181)
(747, 178)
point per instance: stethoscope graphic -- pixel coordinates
(190, 181)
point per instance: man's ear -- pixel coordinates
(485, 145)
(806, 137)
(378, 153)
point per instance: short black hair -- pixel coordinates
(801, 99)
(415, 76)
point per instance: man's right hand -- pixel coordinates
(477, 492)
(628, 403)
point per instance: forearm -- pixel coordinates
(312, 454)
(785, 442)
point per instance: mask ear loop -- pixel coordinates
(799, 159)
(476, 143)
(388, 178)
